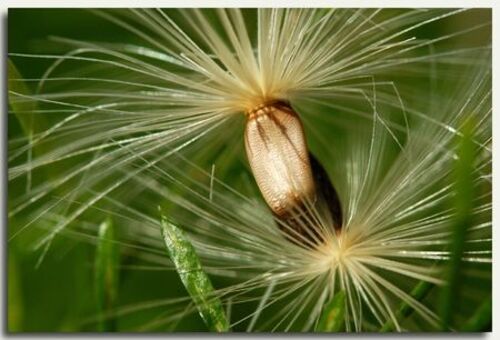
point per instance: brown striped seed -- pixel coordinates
(279, 158)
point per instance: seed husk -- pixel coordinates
(293, 183)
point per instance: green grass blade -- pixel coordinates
(106, 275)
(481, 320)
(464, 193)
(419, 292)
(333, 315)
(25, 112)
(22, 109)
(14, 294)
(196, 281)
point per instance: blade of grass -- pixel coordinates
(14, 294)
(464, 192)
(419, 292)
(196, 281)
(30, 122)
(106, 275)
(22, 109)
(332, 317)
(481, 320)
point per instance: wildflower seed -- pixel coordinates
(292, 184)
(278, 156)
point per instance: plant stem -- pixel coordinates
(106, 275)
(419, 292)
(464, 194)
(481, 320)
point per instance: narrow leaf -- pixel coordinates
(419, 292)
(196, 281)
(14, 294)
(25, 112)
(22, 109)
(333, 315)
(481, 320)
(106, 275)
(464, 194)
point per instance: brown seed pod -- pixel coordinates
(292, 185)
